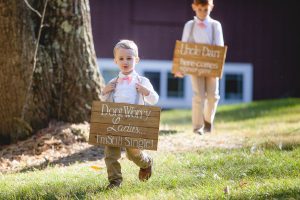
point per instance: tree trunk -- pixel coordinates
(66, 78)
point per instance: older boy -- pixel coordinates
(203, 29)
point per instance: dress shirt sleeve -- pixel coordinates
(153, 97)
(186, 31)
(104, 97)
(219, 40)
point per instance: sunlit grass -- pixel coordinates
(272, 121)
(267, 167)
(199, 174)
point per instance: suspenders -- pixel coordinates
(137, 98)
(137, 94)
(191, 36)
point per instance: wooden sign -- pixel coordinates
(124, 125)
(199, 59)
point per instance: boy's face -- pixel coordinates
(202, 11)
(126, 60)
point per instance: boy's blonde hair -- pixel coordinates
(127, 44)
(204, 2)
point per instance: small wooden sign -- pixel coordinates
(124, 125)
(199, 59)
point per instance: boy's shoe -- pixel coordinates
(199, 131)
(145, 174)
(114, 185)
(207, 127)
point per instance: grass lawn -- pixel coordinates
(267, 167)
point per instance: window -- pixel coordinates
(234, 87)
(175, 86)
(109, 74)
(154, 78)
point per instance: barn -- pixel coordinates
(261, 36)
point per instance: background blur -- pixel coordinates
(262, 38)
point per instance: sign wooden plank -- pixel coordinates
(124, 125)
(129, 108)
(127, 142)
(106, 119)
(199, 59)
(130, 131)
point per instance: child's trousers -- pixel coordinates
(113, 154)
(205, 100)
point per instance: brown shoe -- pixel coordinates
(145, 174)
(114, 185)
(207, 127)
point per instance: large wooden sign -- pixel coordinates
(199, 59)
(124, 125)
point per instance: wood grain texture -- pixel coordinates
(199, 59)
(124, 125)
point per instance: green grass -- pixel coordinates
(201, 174)
(264, 172)
(268, 123)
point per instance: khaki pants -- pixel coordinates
(113, 154)
(205, 100)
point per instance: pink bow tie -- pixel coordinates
(201, 25)
(126, 78)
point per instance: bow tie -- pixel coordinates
(124, 79)
(201, 25)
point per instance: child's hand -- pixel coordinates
(178, 75)
(141, 89)
(109, 87)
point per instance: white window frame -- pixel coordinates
(164, 66)
(246, 70)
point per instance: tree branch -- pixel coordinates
(34, 60)
(31, 8)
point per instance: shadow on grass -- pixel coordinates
(93, 153)
(168, 132)
(289, 193)
(280, 145)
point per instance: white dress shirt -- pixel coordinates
(204, 35)
(126, 92)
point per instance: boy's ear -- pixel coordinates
(194, 6)
(137, 60)
(115, 60)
